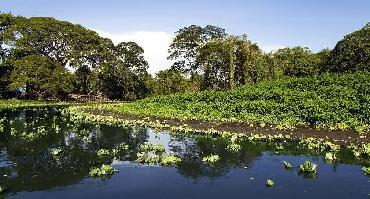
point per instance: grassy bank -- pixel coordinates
(9, 104)
(329, 101)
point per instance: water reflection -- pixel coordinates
(61, 152)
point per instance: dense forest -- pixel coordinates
(44, 58)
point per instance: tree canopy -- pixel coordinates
(49, 58)
(101, 68)
(352, 52)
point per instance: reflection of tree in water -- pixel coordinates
(192, 149)
(35, 167)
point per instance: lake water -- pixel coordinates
(30, 168)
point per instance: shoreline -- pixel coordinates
(343, 138)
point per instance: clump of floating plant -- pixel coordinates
(155, 154)
(56, 151)
(360, 151)
(286, 165)
(2, 189)
(269, 183)
(268, 137)
(330, 157)
(120, 149)
(2, 125)
(366, 170)
(211, 159)
(318, 144)
(104, 170)
(169, 160)
(234, 146)
(102, 153)
(29, 136)
(308, 168)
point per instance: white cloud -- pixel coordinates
(154, 43)
(272, 48)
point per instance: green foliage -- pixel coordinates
(56, 151)
(352, 52)
(187, 40)
(40, 48)
(211, 159)
(296, 62)
(366, 170)
(2, 189)
(151, 154)
(330, 157)
(308, 167)
(104, 170)
(11, 104)
(229, 62)
(169, 81)
(170, 160)
(41, 76)
(103, 153)
(184, 47)
(361, 151)
(326, 102)
(269, 183)
(287, 165)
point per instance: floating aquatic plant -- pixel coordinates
(366, 170)
(2, 189)
(308, 167)
(103, 153)
(234, 147)
(104, 170)
(170, 160)
(56, 151)
(287, 165)
(329, 157)
(269, 183)
(211, 159)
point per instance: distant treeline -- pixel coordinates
(44, 58)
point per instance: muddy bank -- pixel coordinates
(339, 137)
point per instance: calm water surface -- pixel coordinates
(29, 169)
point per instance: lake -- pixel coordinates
(45, 155)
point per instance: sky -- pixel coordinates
(272, 24)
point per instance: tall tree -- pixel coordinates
(41, 77)
(183, 49)
(296, 62)
(352, 52)
(170, 81)
(229, 62)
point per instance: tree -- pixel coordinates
(183, 49)
(170, 81)
(352, 52)
(41, 77)
(296, 62)
(324, 57)
(229, 62)
(6, 20)
(118, 72)
(83, 80)
(61, 41)
(131, 56)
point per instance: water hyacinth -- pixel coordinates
(366, 170)
(287, 165)
(269, 183)
(104, 170)
(170, 160)
(308, 167)
(211, 159)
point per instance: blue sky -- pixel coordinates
(271, 23)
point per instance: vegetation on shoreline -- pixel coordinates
(329, 101)
(10, 104)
